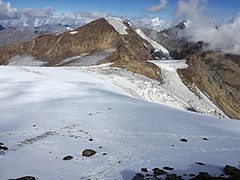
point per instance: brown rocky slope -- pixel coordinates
(218, 75)
(96, 36)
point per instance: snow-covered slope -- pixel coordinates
(49, 113)
(156, 46)
(25, 60)
(172, 93)
(117, 24)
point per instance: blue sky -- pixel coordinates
(223, 8)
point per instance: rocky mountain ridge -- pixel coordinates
(94, 37)
(215, 73)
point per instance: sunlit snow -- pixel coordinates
(49, 113)
(117, 24)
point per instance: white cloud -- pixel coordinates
(39, 13)
(156, 22)
(151, 23)
(7, 11)
(162, 5)
(224, 37)
(189, 9)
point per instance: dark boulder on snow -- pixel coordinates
(88, 152)
(183, 140)
(158, 172)
(168, 168)
(66, 158)
(173, 177)
(232, 171)
(25, 178)
(3, 147)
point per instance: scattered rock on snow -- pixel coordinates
(183, 140)
(173, 177)
(3, 147)
(158, 172)
(168, 168)
(232, 171)
(144, 169)
(66, 158)
(192, 175)
(88, 152)
(200, 163)
(25, 178)
(138, 176)
(203, 176)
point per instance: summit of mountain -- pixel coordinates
(116, 38)
(1, 27)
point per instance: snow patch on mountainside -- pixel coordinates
(173, 84)
(73, 32)
(86, 59)
(156, 46)
(25, 60)
(49, 113)
(187, 23)
(117, 24)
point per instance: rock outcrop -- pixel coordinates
(130, 49)
(218, 75)
(213, 72)
(172, 39)
(1, 27)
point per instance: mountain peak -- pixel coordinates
(184, 24)
(118, 25)
(1, 27)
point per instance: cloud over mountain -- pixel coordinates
(7, 11)
(220, 36)
(159, 7)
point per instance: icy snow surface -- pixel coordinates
(73, 32)
(49, 113)
(156, 46)
(117, 24)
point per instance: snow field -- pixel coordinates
(49, 113)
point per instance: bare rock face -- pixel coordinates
(7, 52)
(145, 68)
(131, 51)
(88, 152)
(93, 37)
(96, 36)
(218, 75)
